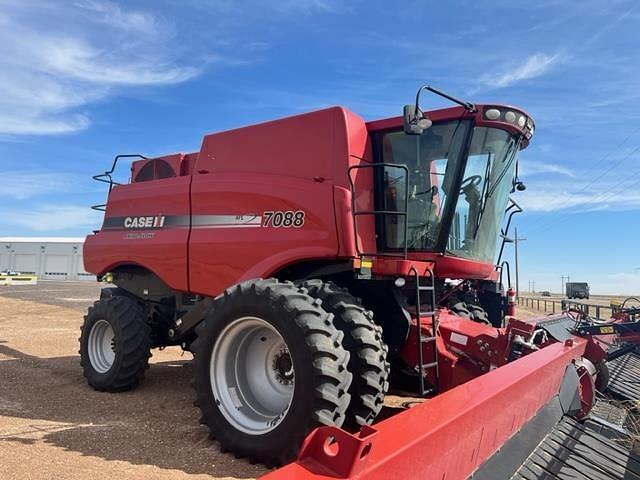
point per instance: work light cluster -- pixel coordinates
(511, 116)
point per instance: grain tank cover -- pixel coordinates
(300, 146)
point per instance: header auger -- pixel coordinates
(310, 263)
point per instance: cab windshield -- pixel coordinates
(437, 172)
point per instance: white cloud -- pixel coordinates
(53, 218)
(534, 66)
(620, 283)
(20, 185)
(575, 196)
(77, 60)
(307, 6)
(57, 59)
(283, 8)
(537, 168)
(112, 15)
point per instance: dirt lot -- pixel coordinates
(52, 425)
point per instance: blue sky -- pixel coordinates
(83, 80)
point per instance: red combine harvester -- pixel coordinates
(310, 262)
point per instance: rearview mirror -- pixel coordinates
(414, 120)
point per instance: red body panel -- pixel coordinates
(113, 247)
(466, 349)
(220, 257)
(293, 164)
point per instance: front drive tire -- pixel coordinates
(363, 340)
(269, 368)
(115, 344)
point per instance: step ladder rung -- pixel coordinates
(430, 337)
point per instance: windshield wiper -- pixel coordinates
(490, 191)
(484, 196)
(510, 154)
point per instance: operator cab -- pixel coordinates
(451, 170)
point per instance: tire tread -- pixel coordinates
(363, 339)
(329, 359)
(134, 344)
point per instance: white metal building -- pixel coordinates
(50, 258)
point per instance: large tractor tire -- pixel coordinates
(461, 309)
(115, 344)
(269, 368)
(469, 311)
(478, 314)
(368, 353)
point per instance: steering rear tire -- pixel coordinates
(115, 344)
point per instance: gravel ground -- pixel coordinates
(74, 295)
(52, 425)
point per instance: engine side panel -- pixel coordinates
(146, 224)
(237, 233)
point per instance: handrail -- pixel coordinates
(355, 213)
(518, 209)
(501, 268)
(107, 177)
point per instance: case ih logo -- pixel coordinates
(144, 222)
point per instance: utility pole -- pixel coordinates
(516, 241)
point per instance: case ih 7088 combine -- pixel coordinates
(310, 262)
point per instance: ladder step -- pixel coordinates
(425, 287)
(429, 365)
(427, 314)
(428, 339)
(429, 391)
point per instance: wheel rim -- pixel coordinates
(101, 346)
(252, 375)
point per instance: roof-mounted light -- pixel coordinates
(492, 114)
(512, 117)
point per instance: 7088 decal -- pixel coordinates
(283, 218)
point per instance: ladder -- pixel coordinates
(423, 367)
